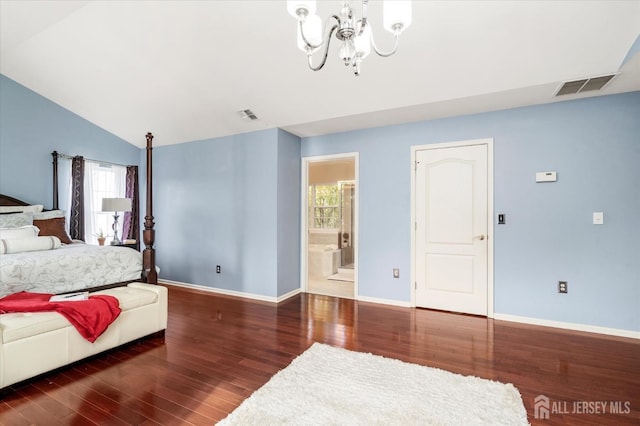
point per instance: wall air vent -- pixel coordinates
(247, 114)
(584, 85)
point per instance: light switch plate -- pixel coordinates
(598, 218)
(546, 176)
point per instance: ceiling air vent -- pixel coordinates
(584, 85)
(247, 114)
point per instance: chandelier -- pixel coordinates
(355, 35)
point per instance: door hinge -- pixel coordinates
(415, 166)
(415, 285)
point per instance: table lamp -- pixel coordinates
(116, 205)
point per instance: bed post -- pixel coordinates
(149, 255)
(54, 154)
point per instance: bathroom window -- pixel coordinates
(324, 206)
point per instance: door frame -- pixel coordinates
(490, 222)
(304, 216)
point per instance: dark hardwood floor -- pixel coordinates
(217, 350)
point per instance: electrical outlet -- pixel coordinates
(563, 287)
(217, 269)
(396, 273)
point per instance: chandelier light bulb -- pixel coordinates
(363, 42)
(301, 8)
(312, 28)
(396, 15)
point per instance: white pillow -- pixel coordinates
(36, 208)
(18, 233)
(29, 244)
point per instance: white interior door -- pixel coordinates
(451, 211)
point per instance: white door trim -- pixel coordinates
(304, 170)
(490, 279)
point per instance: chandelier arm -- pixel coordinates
(314, 46)
(326, 52)
(385, 54)
(363, 23)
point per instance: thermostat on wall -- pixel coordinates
(546, 177)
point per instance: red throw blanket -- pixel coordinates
(90, 317)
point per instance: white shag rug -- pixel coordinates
(334, 386)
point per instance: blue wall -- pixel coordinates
(593, 144)
(221, 202)
(31, 127)
(288, 212)
(235, 201)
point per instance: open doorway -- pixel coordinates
(329, 234)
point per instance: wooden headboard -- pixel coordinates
(5, 200)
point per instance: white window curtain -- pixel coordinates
(102, 181)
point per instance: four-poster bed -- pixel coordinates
(35, 340)
(95, 267)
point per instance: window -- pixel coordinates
(324, 206)
(101, 181)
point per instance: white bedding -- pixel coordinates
(67, 268)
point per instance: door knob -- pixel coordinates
(481, 237)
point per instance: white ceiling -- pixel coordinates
(183, 69)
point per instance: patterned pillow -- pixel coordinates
(16, 220)
(49, 214)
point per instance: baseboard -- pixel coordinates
(383, 301)
(288, 295)
(232, 292)
(503, 317)
(274, 299)
(569, 325)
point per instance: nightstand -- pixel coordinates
(133, 246)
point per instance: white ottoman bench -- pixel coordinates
(34, 343)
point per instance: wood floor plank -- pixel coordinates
(217, 350)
